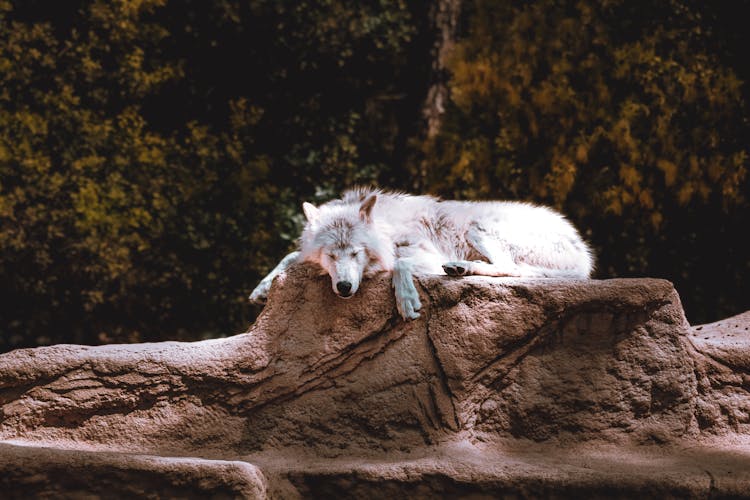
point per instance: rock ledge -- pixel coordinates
(503, 386)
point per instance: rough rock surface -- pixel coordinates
(723, 374)
(502, 387)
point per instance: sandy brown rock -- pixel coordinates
(548, 363)
(726, 341)
(572, 360)
(39, 472)
(531, 471)
(723, 374)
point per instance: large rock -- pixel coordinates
(508, 386)
(723, 374)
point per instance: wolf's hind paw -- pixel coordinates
(456, 268)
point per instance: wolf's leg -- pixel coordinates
(495, 250)
(407, 297)
(419, 261)
(260, 294)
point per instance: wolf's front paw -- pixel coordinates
(260, 294)
(408, 307)
(407, 302)
(458, 268)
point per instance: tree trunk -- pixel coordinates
(444, 17)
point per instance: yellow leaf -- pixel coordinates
(669, 169)
(656, 219)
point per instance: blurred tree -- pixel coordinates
(622, 115)
(154, 155)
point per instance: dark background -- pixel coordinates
(154, 155)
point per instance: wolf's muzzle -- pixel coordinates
(344, 288)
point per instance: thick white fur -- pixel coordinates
(369, 231)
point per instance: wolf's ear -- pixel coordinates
(365, 209)
(311, 212)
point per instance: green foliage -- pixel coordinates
(619, 113)
(146, 183)
(154, 154)
(548, 91)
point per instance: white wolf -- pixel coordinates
(370, 231)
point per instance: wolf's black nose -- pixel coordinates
(344, 287)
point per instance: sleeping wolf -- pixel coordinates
(369, 231)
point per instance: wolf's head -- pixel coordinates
(346, 242)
